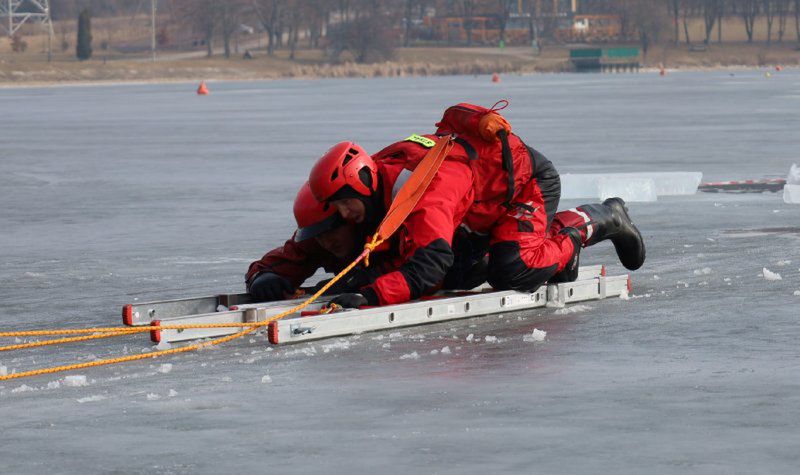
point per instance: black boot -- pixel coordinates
(570, 272)
(610, 220)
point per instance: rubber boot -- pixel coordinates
(610, 220)
(570, 271)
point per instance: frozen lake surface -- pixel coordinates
(116, 193)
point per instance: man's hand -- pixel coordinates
(350, 300)
(269, 286)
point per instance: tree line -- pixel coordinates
(369, 29)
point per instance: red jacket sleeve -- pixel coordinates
(426, 236)
(294, 261)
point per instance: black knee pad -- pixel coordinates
(507, 271)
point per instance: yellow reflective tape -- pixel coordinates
(425, 142)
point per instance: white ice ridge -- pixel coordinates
(640, 186)
(791, 191)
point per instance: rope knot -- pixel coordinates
(370, 246)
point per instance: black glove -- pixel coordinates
(268, 286)
(352, 282)
(350, 300)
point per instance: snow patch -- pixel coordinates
(446, 349)
(537, 335)
(434, 352)
(165, 368)
(572, 309)
(53, 385)
(163, 345)
(797, 293)
(490, 339)
(22, 389)
(410, 356)
(3, 371)
(266, 379)
(172, 393)
(470, 337)
(386, 345)
(153, 397)
(769, 275)
(95, 398)
(75, 381)
(782, 263)
(703, 271)
(339, 345)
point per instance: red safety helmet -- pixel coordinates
(313, 217)
(345, 164)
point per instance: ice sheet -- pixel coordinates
(793, 178)
(791, 194)
(629, 189)
(791, 191)
(149, 192)
(596, 186)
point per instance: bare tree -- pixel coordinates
(769, 11)
(202, 16)
(675, 8)
(269, 14)
(468, 11)
(504, 9)
(782, 10)
(797, 19)
(748, 10)
(710, 15)
(650, 21)
(686, 6)
(228, 19)
(408, 7)
(367, 38)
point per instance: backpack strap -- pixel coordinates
(508, 166)
(468, 148)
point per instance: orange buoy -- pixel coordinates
(495, 77)
(202, 90)
(778, 68)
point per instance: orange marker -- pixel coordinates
(202, 90)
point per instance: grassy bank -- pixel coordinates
(30, 69)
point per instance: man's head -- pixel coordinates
(322, 223)
(340, 241)
(345, 178)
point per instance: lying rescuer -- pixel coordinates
(493, 190)
(324, 240)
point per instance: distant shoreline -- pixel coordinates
(32, 71)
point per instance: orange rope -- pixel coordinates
(35, 344)
(195, 346)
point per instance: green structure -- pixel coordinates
(618, 59)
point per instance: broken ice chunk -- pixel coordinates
(75, 380)
(769, 275)
(537, 335)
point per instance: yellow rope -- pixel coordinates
(35, 344)
(252, 327)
